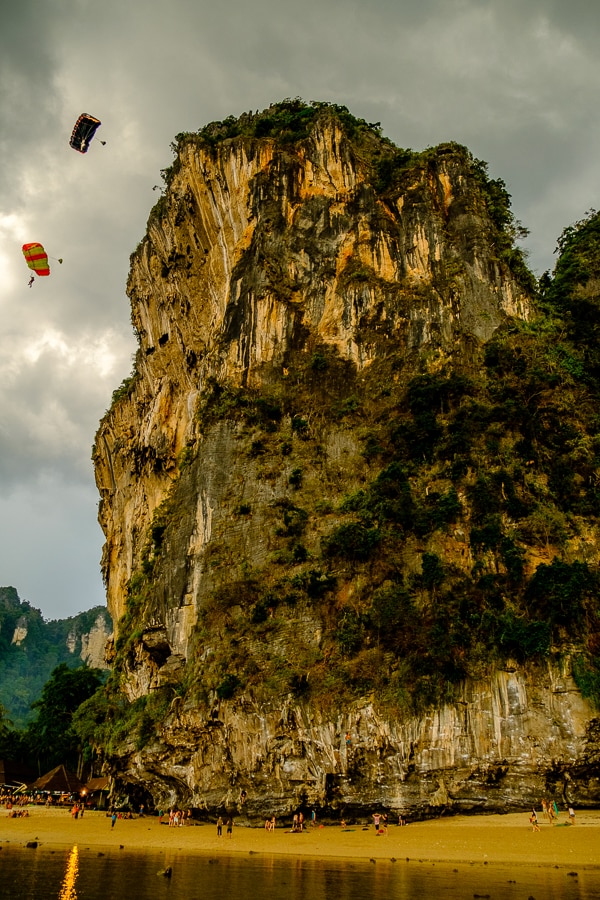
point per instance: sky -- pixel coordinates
(516, 82)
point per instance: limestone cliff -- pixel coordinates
(93, 643)
(297, 543)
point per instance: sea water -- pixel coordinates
(85, 874)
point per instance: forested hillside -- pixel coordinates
(31, 647)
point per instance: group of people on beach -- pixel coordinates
(298, 822)
(38, 798)
(380, 820)
(178, 818)
(228, 826)
(8, 799)
(550, 811)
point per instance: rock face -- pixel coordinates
(253, 253)
(505, 743)
(285, 292)
(20, 632)
(93, 643)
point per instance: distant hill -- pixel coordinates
(31, 647)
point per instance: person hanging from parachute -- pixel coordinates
(37, 260)
(84, 130)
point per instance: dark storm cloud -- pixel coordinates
(49, 412)
(27, 67)
(516, 82)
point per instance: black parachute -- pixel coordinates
(83, 132)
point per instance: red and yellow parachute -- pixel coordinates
(37, 258)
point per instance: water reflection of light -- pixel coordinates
(67, 891)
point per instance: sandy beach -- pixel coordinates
(494, 839)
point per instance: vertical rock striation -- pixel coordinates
(255, 251)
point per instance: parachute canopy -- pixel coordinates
(83, 132)
(36, 258)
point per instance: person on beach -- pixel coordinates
(376, 820)
(555, 808)
(229, 827)
(571, 816)
(113, 819)
(534, 821)
(219, 827)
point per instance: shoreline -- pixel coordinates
(468, 840)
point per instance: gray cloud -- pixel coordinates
(515, 82)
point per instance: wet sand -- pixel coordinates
(495, 839)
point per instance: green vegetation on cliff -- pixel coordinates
(31, 647)
(503, 454)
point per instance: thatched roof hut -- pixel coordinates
(58, 780)
(96, 790)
